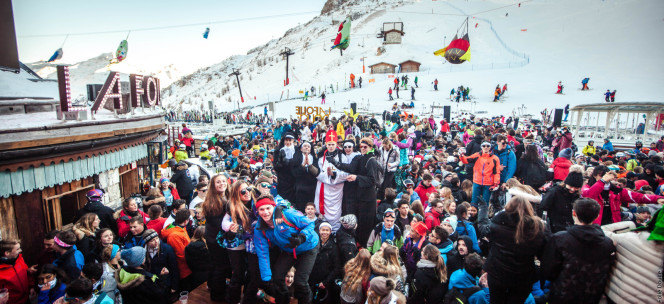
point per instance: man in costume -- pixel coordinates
(330, 185)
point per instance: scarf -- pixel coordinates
(422, 263)
(290, 151)
(386, 234)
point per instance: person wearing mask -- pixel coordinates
(327, 268)
(385, 232)
(69, 258)
(129, 210)
(176, 236)
(580, 256)
(96, 206)
(297, 241)
(430, 282)
(305, 170)
(214, 209)
(51, 282)
(136, 284)
(486, 172)
(610, 196)
(517, 236)
(13, 272)
(559, 200)
(161, 260)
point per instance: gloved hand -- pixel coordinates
(333, 160)
(295, 240)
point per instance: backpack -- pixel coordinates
(460, 295)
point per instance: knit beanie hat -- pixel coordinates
(349, 221)
(133, 257)
(452, 221)
(382, 286)
(575, 176)
(420, 228)
(149, 235)
(567, 153)
(263, 179)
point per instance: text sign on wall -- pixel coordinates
(311, 113)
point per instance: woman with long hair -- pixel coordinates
(530, 169)
(385, 263)
(214, 208)
(517, 236)
(515, 188)
(417, 208)
(430, 281)
(155, 197)
(450, 208)
(467, 187)
(237, 224)
(104, 238)
(198, 257)
(85, 230)
(381, 290)
(356, 278)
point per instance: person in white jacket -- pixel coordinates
(637, 274)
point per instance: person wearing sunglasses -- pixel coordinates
(385, 231)
(486, 172)
(365, 173)
(201, 191)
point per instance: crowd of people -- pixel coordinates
(346, 210)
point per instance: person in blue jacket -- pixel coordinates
(507, 158)
(608, 145)
(464, 227)
(468, 280)
(294, 234)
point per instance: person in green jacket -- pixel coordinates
(385, 232)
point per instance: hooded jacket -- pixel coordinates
(578, 263)
(411, 252)
(178, 238)
(327, 267)
(446, 249)
(507, 159)
(466, 228)
(455, 261)
(105, 214)
(138, 286)
(14, 277)
(265, 236)
(71, 262)
(616, 198)
(165, 258)
(461, 279)
(423, 192)
(561, 168)
(558, 203)
(122, 220)
(426, 286)
(486, 168)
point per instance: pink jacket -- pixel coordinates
(616, 200)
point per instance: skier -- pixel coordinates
(584, 84)
(466, 93)
(458, 97)
(496, 94)
(566, 112)
(306, 95)
(322, 96)
(396, 82)
(435, 84)
(416, 82)
(607, 96)
(332, 88)
(390, 93)
(313, 91)
(397, 92)
(504, 90)
(412, 93)
(452, 94)
(613, 96)
(359, 81)
(560, 87)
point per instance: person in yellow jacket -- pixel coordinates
(590, 149)
(181, 153)
(341, 131)
(205, 153)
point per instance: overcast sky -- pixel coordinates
(182, 46)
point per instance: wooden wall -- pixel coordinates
(30, 224)
(8, 219)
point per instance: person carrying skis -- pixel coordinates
(613, 96)
(390, 93)
(607, 96)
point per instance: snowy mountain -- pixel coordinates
(95, 71)
(529, 46)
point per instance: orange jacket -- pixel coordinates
(486, 171)
(178, 238)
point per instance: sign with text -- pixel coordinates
(311, 113)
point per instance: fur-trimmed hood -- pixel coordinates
(81, 232)
(380, 267)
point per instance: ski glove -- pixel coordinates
(295, 240)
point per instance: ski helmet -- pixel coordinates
(95, 195)
(639, 143)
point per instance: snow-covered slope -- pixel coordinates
(532, 48)
(95, 71)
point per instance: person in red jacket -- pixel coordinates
(561, 165)
(129, 210)
(603, 188)
(425, 188)
(444, 127)
(13, 272)
(176, 236)
(486, 171)
(432, 218)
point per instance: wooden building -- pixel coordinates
(392, 32)
(382, 68)
(409, 66)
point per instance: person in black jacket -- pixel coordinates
(96, 206)
(283, 167)
(304, 169)
(327, 267)
(345, 238)
(558, 201)
(214, 208)
(578, 261)
(364, 170)
(182, 180)
(430, 282)
(464, 247)
(198, 257)
(517, 236)
(160, 256)
(530, 169)
(136, 284)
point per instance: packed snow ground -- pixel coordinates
(613, 42)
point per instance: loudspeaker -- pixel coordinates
(516, 123)
(447, 113)
(353, 106)
(557, 117)
(93, 91)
